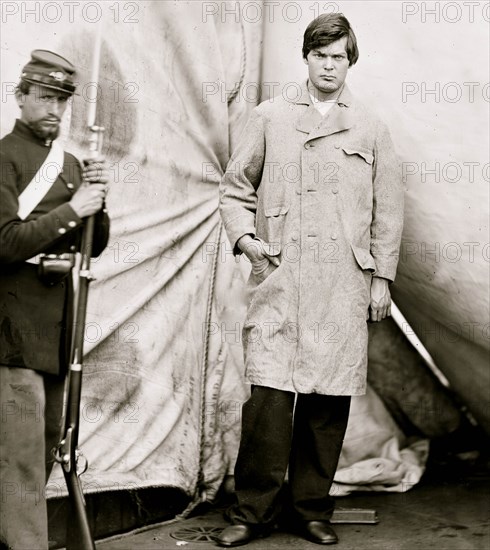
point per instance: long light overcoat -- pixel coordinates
(324, 195)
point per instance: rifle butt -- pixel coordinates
(78, 533)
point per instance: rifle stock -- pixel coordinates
(78, 533)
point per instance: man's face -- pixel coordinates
(327, 68)
(42, 110)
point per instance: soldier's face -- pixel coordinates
(42, 110)
(327, 68)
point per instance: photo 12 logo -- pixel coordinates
(445, 12)
(267, 12)
(450, 252)
(450, 172)
(445, 92)
(69, 12)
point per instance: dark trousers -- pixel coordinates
(272, 440)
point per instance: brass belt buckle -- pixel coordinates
(53, 268)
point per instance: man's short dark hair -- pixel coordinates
(328, 28)
(23, 87)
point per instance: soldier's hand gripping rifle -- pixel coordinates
(79, 535)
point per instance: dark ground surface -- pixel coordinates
(450, 515)
(448, 510)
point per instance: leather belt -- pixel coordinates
(37, 259)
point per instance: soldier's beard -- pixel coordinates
(44, 132)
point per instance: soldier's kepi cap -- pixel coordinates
(50, 70)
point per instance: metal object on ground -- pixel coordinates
(209, 533)
(197, 534)
(354, 515)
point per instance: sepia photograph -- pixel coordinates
(244, 274)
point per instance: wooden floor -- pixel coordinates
(448, 510)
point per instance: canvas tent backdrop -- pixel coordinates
(163, 380)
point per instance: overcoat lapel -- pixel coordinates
(310, 120)
(339, 117)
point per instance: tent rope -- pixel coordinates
(243, 64)
(200, 488)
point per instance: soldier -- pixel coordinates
(324, 248)
(45, 197)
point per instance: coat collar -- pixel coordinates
(339, 117)
(22, 130)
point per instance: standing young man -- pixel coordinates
(313, 197)
(45, 196)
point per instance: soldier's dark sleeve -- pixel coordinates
(23, 239)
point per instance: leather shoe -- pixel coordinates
(236, 535)
(320, 532)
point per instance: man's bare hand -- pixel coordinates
(95, 170)
(263, 264)
(254, 250)
(380, 305)
(88, 199)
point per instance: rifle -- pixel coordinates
(78, 534)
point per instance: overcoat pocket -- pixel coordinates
(271, 227)
(363, 153)
(262, 269)
(277, 210)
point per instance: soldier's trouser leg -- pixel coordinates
(320, 422)
(23, 515)
(53, 388)
(263, 456)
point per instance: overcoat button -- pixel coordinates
(334, 236)
(61, 230)
(72, 224)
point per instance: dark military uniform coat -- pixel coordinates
(35, 319)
